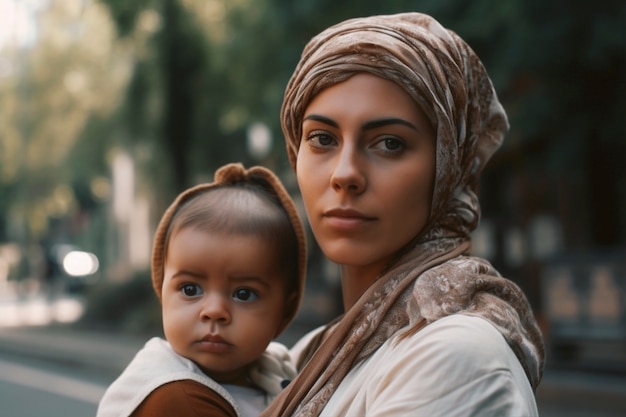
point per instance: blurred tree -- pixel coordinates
(562, 73)
(171, 98)
(556, 66)
(55, 84)
(203, 71)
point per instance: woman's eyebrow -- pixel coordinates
(322, 119)
(373, 124)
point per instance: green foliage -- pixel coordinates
(199, 81)
(125, 13)
(558, 68)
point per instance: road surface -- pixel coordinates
(31, 388)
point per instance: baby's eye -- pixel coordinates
(245, 294)
(191, 290)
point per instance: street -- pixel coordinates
(32, 388)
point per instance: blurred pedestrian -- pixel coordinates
(52, 271)
(228, 267)
(389, 122)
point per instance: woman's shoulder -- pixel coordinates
(460, 339)
(456, 359)
(459, 350)
(457, 338)
(462, 328)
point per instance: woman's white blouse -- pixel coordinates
(457, 366)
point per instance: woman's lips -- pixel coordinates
(346, 219)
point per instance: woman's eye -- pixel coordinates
(320, 139)
(390, 145)
(244, 294)
(190, 290)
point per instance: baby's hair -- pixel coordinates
(243, 208)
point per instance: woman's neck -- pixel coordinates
(355, 280)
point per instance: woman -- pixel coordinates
(389, 121)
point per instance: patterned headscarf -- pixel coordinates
(432, 277)
(436, 68)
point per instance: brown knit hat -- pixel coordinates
(226, 175)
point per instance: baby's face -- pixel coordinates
(223, 300)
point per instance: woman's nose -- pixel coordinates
(215, 308)
(348, 175)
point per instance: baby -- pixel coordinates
(228, 266)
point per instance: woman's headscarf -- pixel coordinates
(432, 278)
(435, 67)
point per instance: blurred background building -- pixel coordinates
(109, 108)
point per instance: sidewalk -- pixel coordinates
(105, 353)
(560, 390)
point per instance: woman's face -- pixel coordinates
(366, 169)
